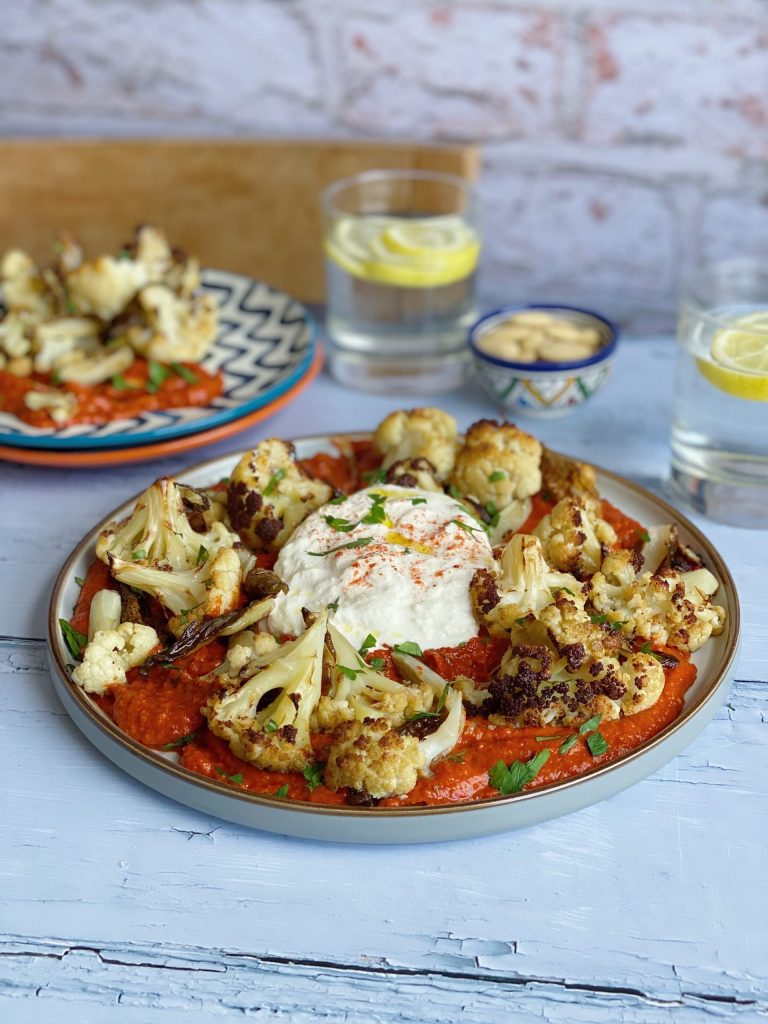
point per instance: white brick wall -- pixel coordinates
(624, 139)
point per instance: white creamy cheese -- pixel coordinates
(407, 578)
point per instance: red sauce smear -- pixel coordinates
(102, 403)
(463, 775)
(628, 530)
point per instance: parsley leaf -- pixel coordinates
(511, 779)
(270, 726)
(418, 501)
(455, 493)
(367, 644)
(350, 673)
(409, 647)
(237, 778)
(333, 606)
(467, 527)
(545, 739)
(202, 555)
(646, 649)
(375, 476)
(340, 525)
(644, 536)
(590, 724)
(182, 741)
(376, 515)
(597, 744)
(138, 554)
(158, 374)
(377, 664)
(313, 773)
(599, 620)
(493, 512)
(359, 543)
(497, 475)
(76, 642)
(338, 500)
(566, 745)
(184, 372)
(79, 580)
(274, 481)
(283, 791)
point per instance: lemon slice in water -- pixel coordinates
(738, 362)
(421, 252)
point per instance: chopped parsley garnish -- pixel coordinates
(644, 536)
(439, 707)
(313, 773)
(418, 501)
(545, 739)
(350, 673)
(79, 580)
(118, 382)
(511, 779)
(455, 493)
(497, 475)
(597, 744)
(375, 515)
(599, 620)
(378, 499)
(182, 741)
(237, 778)
(184, 372)
(522, 620)
(333, 606)
(458, 757)
(493, 512)
(409, 647)
(377, 664)
(646, 649)
(467, 527)
(590, 724)
(138, 554)
(158, 374)
(554, 591)
(375, 476)
(367, 644)
(566, 745)
(283, 791)
(340, 525)
(76, 642)
(359, 543)
(338, 500)
(617, 624)
(274, 481)
(202, 555)
(270, 726)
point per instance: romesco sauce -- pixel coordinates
(102, 403)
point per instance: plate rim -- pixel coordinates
(51, 442)
(705, 706)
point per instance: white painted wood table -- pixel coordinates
(650, 906)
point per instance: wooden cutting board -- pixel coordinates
(250, 206)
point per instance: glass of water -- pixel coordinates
(720, 414)
(401, 252)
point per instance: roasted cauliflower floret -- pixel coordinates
(574, 538)
(65, 340)
(111, 653)
(222, 592)
(497, 463)
(268, 495)
(570, 630)
(419, 473)
(418, 434)
(61, 406)
(266, 721)
(371, 757)
(667, 608)
(562, 477)
(175, 329)
(358, 692)
(535, 687)
(525, 586)
(105, 286)
(23, 287)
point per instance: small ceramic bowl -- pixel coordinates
(543, 389)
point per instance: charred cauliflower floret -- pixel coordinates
(526, 585)
(268, 495)
(574, 538)
(535, 687)
(266, 720)
(418, 434)
(174, 328)
(570, 630)
(562, 477)
(110, 654)
(497, 463)
(23, 288)
(418, 473)
(668, 608)
(371, 757)
(105, 286)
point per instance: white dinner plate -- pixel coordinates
(265, 344)
(715, 664)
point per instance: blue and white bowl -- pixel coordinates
(544, 390)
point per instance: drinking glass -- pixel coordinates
(720, 412)
(401, 252)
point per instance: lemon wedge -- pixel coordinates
(421, 252)
(738, 362)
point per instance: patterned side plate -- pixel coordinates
(265, 345)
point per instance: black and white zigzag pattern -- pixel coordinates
(265, 344)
